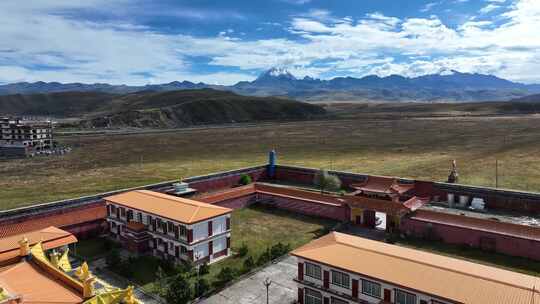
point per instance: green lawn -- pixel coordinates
(90, 249)
(517, 264)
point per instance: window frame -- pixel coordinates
(307, 273)
(334, 300)
(406, 293)
(364, 281)
(318, 298)
(342, 274)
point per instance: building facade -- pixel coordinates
(170, 227)
(37, 135)
(345, 269)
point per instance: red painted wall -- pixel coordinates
(308, 208)
(238, 203)
(457, 235)
(216, 183)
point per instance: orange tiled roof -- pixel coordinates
(61, 220)
(172, 207)
(521, 231)
(382, 184)
(447, 278)
(35, 285)
(51, 237)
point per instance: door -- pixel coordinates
(355, 288)
(388, 295)
(300, 271)
(358, 220)
(369, 218)
(326, 279)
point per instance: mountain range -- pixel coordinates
(150, 109)
(450, 86)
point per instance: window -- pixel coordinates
(371, 288)
(338, 301)
(403, 297)
(312, 297)
(183, 231)
(113, 209)
(313, 271)
(122, 212)
(139, 216)
(183, 250)
(340, 279)
(170, 226)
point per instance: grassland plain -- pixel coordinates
(412, 147)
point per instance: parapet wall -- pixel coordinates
(497, 199)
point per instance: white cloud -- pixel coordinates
(322, 44)
(489, 8)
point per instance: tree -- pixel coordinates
(326, 181)
(245, 179)
(179, 291)
(202, 287)
(113, 259)
(161, 282)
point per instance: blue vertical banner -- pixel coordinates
(272, 164)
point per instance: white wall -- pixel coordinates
(359, 278)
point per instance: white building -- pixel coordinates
(171, 227)
(343, 269)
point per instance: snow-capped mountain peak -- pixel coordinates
(277, 72)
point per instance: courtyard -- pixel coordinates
(256, 233)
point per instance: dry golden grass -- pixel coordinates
(416, 148)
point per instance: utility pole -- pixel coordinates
(496, 173)
(267, 283)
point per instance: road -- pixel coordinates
(252, 291)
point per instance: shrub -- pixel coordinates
(278, 250)
(243, 250)
(202, 287)
(186, 267)
(264, 258)
(179, 291)
(204, 269)
(226, 274)
(245, 179)
(326, 181)
(249, 263)
(113, 259)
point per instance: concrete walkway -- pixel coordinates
(252, 291)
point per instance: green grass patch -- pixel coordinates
(93, 248)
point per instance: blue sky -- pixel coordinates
(222, 42)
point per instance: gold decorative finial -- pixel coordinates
(83, 272)
(129, 298)
(24, 247)
(54, 258)
(88, 287)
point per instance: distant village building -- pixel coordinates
(342, 269)
(20, 137)
(170, 227)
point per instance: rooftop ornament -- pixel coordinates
(454, 176)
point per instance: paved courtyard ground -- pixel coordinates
(252, 291)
